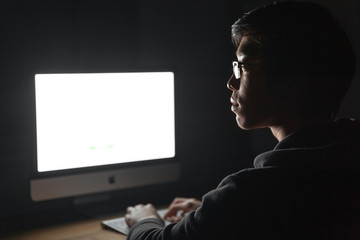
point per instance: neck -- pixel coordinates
(294, 122)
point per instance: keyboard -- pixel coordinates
(119, 224)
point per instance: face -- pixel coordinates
(250, 96)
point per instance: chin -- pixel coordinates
(244, 127)
(247, 124)
(242, 123)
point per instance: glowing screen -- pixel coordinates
(93, 119)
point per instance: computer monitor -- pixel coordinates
(99, 132)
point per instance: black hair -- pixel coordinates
(302, 39)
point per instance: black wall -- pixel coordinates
(108, 35)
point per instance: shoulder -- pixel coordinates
(250, 176)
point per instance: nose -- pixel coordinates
(233, 83)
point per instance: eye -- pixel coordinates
(243, 66)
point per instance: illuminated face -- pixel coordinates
(250, 95)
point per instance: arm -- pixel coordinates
(209, 221)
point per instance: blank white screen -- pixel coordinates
(94, 119)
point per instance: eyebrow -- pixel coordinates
(245, 56)
(249, 49)
(244, 52)
(249, 53)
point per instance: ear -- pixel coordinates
(289, 90)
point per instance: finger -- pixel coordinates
(173, 210)
(130, 209)
(175, 206)
(149, 205)
(174, 219)
(127, 220)
(182, 214)
(170, 213)
(177, 200)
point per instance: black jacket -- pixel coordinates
(308, 187)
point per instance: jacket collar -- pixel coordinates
(314, 145)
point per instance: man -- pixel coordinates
(294, 65)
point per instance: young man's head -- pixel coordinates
(298, 54)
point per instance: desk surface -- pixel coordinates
(88, 229)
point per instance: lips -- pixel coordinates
(234, 104)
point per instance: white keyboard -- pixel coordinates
(119, 224)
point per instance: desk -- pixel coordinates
(81, 230)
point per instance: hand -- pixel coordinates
(140, 212)
(179, 207)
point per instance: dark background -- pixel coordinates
(193, 37)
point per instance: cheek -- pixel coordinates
(253, 89)
(245, 88)
(257, 101)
